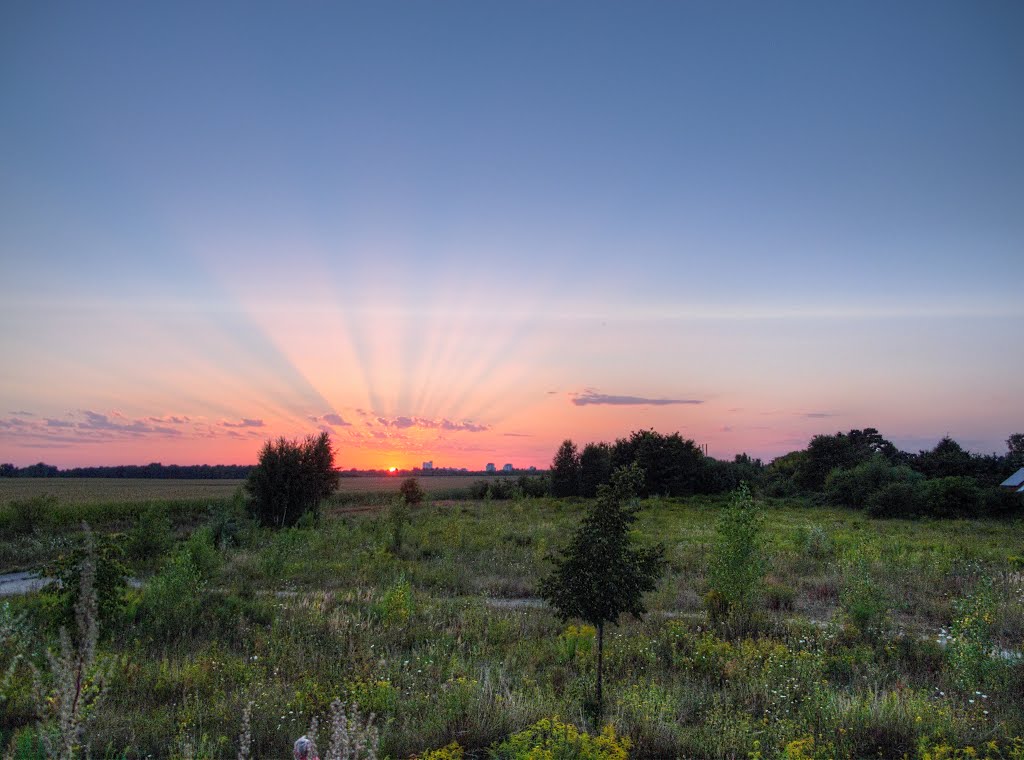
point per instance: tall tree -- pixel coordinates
(595, 467)
(671, 464)
(602, 574)
(1015, 450)
(565, 470)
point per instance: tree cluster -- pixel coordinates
(291, 480)
(154, 470)
(863, 470)
(671, 466)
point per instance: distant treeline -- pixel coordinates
(859, 469)
(154, 470)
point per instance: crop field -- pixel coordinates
(135, 490)
(869, 638)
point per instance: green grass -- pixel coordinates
(443, 641)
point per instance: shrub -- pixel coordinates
(864, 604)
(29, 515)
(109, 578)
(815, 542)
(534, 487)
(737, 561)
(291, 479)
(550, 738)
(951, 497)
(900, 499)
(228, 522)
(971, 642)
(173, 599)
(151, 536)
(853, 487)
(398, 516)
(77, 675)
(412, 492)
(453, 751)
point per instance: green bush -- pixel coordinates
(151, 536)
(863, 602)
(951, 497)
(854, 487)
(900, 499)
(29, 515)
(412, 492)
(550, 738)
(172, 601)
(737, 565)
(291, 480)
(815, 542)
(110, 580)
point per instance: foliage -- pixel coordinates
(412, 492)
(565, 471)
(108, 576)
(76, 675)
(737, 565)
(825, 453)
(896, 499)
(854, 487)
(151, 536)
(815, 542)
(1014, 452)
(398, 518)
(351, 736)
(291, 479)
(951, 497)
(28, 515)
(595, 467)
(671, 464)
(971, 645)
(863, 602)
(453, 751)
(172, 600)
(601, 574)
(551, 739)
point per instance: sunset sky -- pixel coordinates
(464, 231)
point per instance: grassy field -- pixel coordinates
(121, 490)
(441, 637)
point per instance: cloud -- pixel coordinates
(589, 397)
(244, 423)
(401, 423)
(23, 414)
(518, 435)
(817, 415)
(59, 423)
(425, 423)
(330, 419)
(172, 419)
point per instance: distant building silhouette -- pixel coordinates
(428, 465)
(490, 467)
(506, 468)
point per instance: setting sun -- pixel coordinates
(392, 469)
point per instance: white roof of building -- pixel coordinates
(1015, 480)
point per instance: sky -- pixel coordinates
(461, 232)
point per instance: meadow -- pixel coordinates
(141, 490)
(872, 638)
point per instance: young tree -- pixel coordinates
(565, 471)
(291, 479)
(601, 574)
(737, 563)
(412, 492)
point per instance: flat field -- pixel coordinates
(434, 625)
(121, 490)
